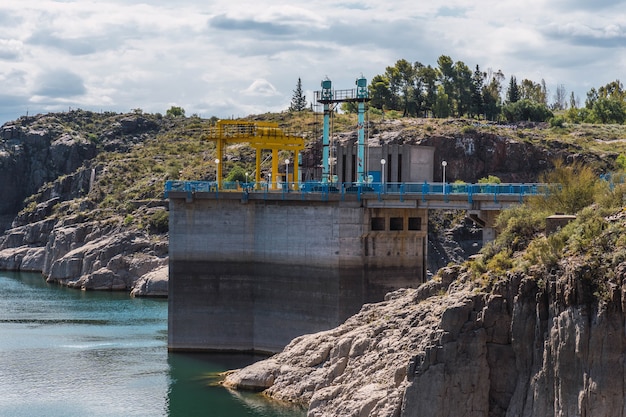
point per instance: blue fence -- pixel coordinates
(400, 189)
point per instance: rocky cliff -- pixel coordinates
(528, 342)
(50, 171)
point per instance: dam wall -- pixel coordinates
(251, 274)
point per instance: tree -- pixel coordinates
(532, 91)
(298, 100)
(463, 88)
(447, 77)
(513, 92)
(380, 93)
(526, 110)
(491, 94)
(442, 104)
(478, 80)
(428, 76)
(175, 111)
(560, 98)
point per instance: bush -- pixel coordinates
(572, 187)
(526, 110)
(557, 121)
(159, 221)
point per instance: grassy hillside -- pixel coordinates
(132, 168)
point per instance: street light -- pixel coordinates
(217, 170)
(287, 173)
(444, 164)
(382, 171)
(246, 179)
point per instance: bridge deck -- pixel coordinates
(426, 195)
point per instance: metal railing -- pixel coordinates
(399, 189)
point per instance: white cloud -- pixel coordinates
(226, 58)
(261, 88)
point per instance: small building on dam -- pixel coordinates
(252, 269)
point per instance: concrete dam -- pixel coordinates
(252, 269)
(252, 275)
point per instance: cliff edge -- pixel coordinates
(543, 338)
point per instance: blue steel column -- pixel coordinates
(362, 95)
(327, 95)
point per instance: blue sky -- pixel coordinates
(235, 58)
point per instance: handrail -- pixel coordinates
(400, 189)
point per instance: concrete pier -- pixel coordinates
(251, 274)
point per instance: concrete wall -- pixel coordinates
(404, 163)
(254, 275)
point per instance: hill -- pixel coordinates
(83, 196)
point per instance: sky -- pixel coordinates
(233, 58)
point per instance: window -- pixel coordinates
(396, 223)
(415, 223)
(378, 223)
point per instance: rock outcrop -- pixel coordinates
(455, 347)
(51, 160)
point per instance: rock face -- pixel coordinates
(449, 348)
(45, 159)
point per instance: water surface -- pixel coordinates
(65, 352)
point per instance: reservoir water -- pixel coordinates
(66, 353)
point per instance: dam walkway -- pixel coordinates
(431, 195)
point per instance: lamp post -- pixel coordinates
(443, 165)
(382, 172)
(217, 170)
(287, 173)
(247, 179)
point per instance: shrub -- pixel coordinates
(526, 110)
(572, 187)
(159, 221)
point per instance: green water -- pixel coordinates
(65, 352)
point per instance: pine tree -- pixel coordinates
(513, 93)
(298, 101)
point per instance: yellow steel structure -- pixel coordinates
(261, 136)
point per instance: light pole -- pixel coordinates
(287, 173)
(382, 173)
(443, 165)
(217, 170)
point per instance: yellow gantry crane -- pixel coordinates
(260, 136)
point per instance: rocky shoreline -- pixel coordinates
(456, 348)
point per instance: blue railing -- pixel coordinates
(400, 189)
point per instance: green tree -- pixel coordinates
(298, 100)
(175, 111)
(608, 110)
(447, 77)
(442, 104)
(477, 106)
(428, 78)
(491, 94)
(463, 88)
(513, 92)
(380, 94)
(532, 91)
(526, 110)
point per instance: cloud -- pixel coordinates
(610, 36)
(10, 49)
(59, 83)
(224, 22)
(262, 88)
(226, 58)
